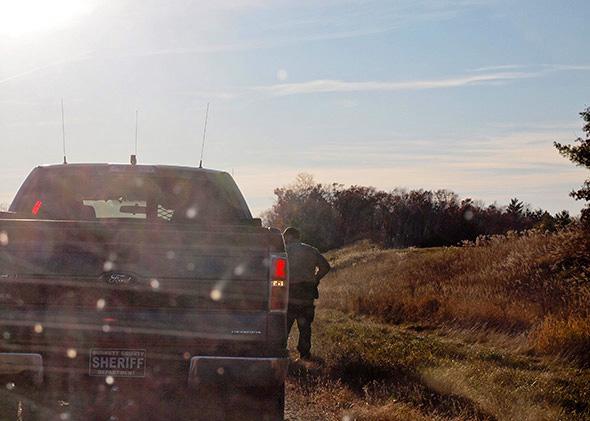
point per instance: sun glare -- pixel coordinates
(20, 17)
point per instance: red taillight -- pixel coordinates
(279, 285)
(280, 268)
(36, 207)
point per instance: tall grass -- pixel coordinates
(368, 370)
(534, 283)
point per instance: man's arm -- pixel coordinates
(323, 267)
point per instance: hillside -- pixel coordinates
(497, 330)
(535, 284)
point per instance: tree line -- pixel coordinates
(330, 216)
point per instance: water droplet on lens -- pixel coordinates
(191, 213)
(282, 75)
(239, 270)
(3, 238)
(100, 303)
(215, 294)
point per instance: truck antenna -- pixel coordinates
(134, 156)
(63, 130)
(204, 134)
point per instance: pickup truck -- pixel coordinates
(139, 292)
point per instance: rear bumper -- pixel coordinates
(203, 370)
(13, 363)
(237, 370)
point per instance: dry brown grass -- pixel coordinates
(536, 282)
(391, 412)
(569, 337)
(367, 370)
(460, 333)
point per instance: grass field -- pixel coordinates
(493, 331)
(535, 284)
(368, 370)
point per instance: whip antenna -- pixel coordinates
(63, 130)
(136, 123)
(134, 156)
(204, 134)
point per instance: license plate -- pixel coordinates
(117, 362)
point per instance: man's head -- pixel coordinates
(292, 235)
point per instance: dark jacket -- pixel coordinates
(306, 267)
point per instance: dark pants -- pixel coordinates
(304, 315)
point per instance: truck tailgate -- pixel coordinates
(187, 282)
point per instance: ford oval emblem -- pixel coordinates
(117, 278)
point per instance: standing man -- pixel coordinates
(306, 267)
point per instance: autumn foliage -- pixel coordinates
(331, 216)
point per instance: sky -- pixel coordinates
(465, 95)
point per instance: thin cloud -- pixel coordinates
(44, 67)
(541, 67)
(491, 168)
(334, 86)
(267, 44)
(30, 71)
(499, 67)
(566, 67)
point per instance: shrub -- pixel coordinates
(568, 336)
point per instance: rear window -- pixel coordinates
(134, 195)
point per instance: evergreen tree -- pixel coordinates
(515, 207)
(579, 154)
(562, 219)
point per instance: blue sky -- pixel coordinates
(466, 95)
